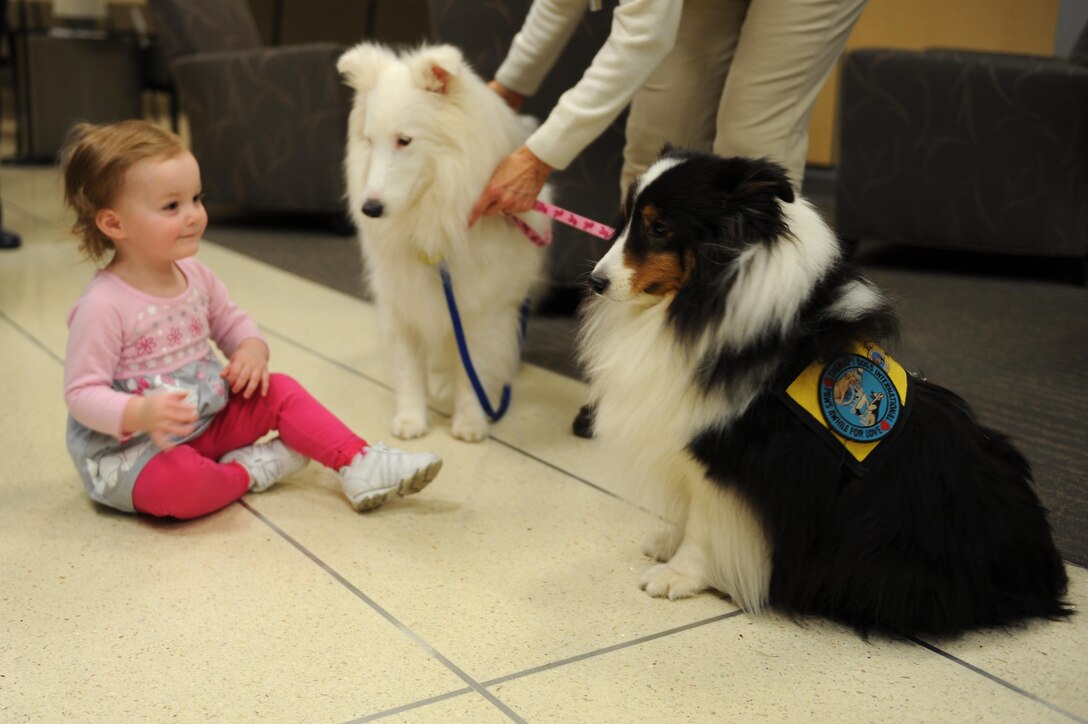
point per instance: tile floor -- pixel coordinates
(507, 591)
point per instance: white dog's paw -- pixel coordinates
(661, 545)
(407, 425)
(664, 581)
(469, 427)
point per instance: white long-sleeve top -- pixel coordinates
(642, 33)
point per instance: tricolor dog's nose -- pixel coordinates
(598, 283)
(373, 208)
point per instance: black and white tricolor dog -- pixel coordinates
(721, 292)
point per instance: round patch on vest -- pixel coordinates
(858, 399)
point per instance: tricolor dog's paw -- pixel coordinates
(661, 545)
(664, 581)
(408, 425)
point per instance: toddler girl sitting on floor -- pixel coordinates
(157, 425)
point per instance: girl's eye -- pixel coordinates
(403, 141)
(199, 198)
(172, 206)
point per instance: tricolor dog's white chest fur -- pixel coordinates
(648, 409)
(638, 373)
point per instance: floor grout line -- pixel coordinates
(557, 664)
(573, 476)
(610, 649)
(412, 706)
(400, 626)
(996, 679)
(30, 337)
(37, 218)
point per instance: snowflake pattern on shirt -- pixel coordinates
(167, 333)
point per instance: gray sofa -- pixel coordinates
(268, 125)
(965, 150)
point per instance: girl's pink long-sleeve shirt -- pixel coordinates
(118, 333)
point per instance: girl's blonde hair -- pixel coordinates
(94, 160)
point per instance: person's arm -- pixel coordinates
(94, 349)
(642, 33)
(534, 50)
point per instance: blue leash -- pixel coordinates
(462, 346)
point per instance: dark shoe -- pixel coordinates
(9, 240)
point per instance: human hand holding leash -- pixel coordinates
(513, 187)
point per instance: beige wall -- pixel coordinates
(1021, 26)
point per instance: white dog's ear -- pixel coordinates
(435, 68)
(362, 65)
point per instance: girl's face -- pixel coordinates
(160, 212)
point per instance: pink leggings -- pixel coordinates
(188, 482)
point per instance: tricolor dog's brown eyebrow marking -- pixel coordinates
(658, 271)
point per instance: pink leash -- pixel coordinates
(563, 216)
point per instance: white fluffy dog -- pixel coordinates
(424, 136)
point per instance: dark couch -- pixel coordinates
(965, 150)
(268, 124)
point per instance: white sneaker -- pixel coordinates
(378, 471)
(267, 463)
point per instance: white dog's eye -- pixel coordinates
(403, 141)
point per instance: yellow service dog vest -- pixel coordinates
(855, 402)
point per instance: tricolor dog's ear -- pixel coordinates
(435, 68)
(773, 177)
(362, 65)
(752, 194)
(783, 189)
(745, 180)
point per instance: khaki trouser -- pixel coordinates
(740, 81)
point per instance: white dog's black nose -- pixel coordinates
(598, 283)
(373, 208)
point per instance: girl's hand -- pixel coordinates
(163, 417)
(247, 369)
(513, 187)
